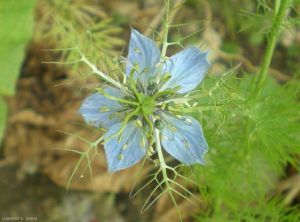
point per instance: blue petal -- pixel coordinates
(144, 53)
(129, 150)
(91, 109)
(187, 69)
(183, 139)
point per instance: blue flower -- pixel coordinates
(150, 101)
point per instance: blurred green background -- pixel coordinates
(252, 171)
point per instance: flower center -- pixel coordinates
(147, 104)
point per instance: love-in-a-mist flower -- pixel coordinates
(152, 98)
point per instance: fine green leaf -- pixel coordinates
(16, 24)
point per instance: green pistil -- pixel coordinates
(147, 105)
(133, 83)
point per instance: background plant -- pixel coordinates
(83, 24)
(253, 138)
(12, 46)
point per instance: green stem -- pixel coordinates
(279, 11)
(97, 142)
(277, 5)
(163, 167)
(162, 162)
(166, 29)
(151, 128)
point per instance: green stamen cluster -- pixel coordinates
(141, 104)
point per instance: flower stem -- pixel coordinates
(166, 30)
(279, 11)
(161, 159)
(163, 168)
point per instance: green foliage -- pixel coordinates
(16, 24)
(253, 132)
(251, 141)
(260, 211)
(82, 24)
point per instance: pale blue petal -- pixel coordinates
(90, 109)
(126, 152)
(183, 139)
(143, 52)
(187, 69)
